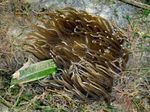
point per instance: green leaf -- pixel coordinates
(146, 13)
(146, 36)
(34, 72)
(128, 18)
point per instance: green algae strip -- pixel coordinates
(34, 72)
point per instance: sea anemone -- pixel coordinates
(87, 50)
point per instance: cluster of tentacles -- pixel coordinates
(87, 49)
